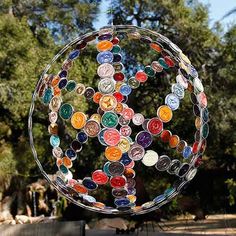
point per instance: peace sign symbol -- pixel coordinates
(113, 121)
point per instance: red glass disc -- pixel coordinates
(202, 99)
(81, 45)
(80, 188)
(141, 76)
(203, 146)
(195, 147)
(115, 40)
(198, 161)
(128, 113)
(119, 76)
(111, 137)
(169, 61)
(99, 177)
(155, 126)
(119, 97)
(165, 136)
(117, 181)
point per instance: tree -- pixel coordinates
(30, 33)
(186, 24)
(27, 45)
(62, 18)
(20, 64)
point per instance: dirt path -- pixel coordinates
(213, 225)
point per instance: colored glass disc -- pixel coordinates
(113, 153)
(66, 111)
(78, 120)
(99, 177)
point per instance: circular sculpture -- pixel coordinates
(113, 121)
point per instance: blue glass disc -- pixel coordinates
(89, 198)
(106, 168)
(74, 54)
(187, 152)
(122, 202)
(101, 137)
(63, 74)
(159, 198)
(89, 184)
(82, 137)
(55, 141)
(62, 84)
(172, 101)
(169, 191)
(125, 159)
(47, 96)
(125, 90)
(71, 154)
(105, 57)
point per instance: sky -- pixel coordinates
(217, 9)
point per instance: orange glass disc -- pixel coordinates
(67, 162)
(78, 120)
(55, 81)
(190, 87)
(53, 128)
(129, 173)
(113, 153)
(104, 45)
(174, 141)
(164, 113)
(96, 97)
(119, 108)
(80, 188)
(56, 91)
(137, 208)
(132, 198)
(99, 205)
(107, 102)
(198, 122)
(155, 47)
(59, 161)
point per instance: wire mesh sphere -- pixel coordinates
(105, 102)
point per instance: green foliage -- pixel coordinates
(61, 18)
(30, 33)
(231, 185)
(7, 160)
(211, 52)
(21, 58)
(26, 46)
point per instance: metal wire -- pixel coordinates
(118, 28)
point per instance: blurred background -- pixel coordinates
(33, 31)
